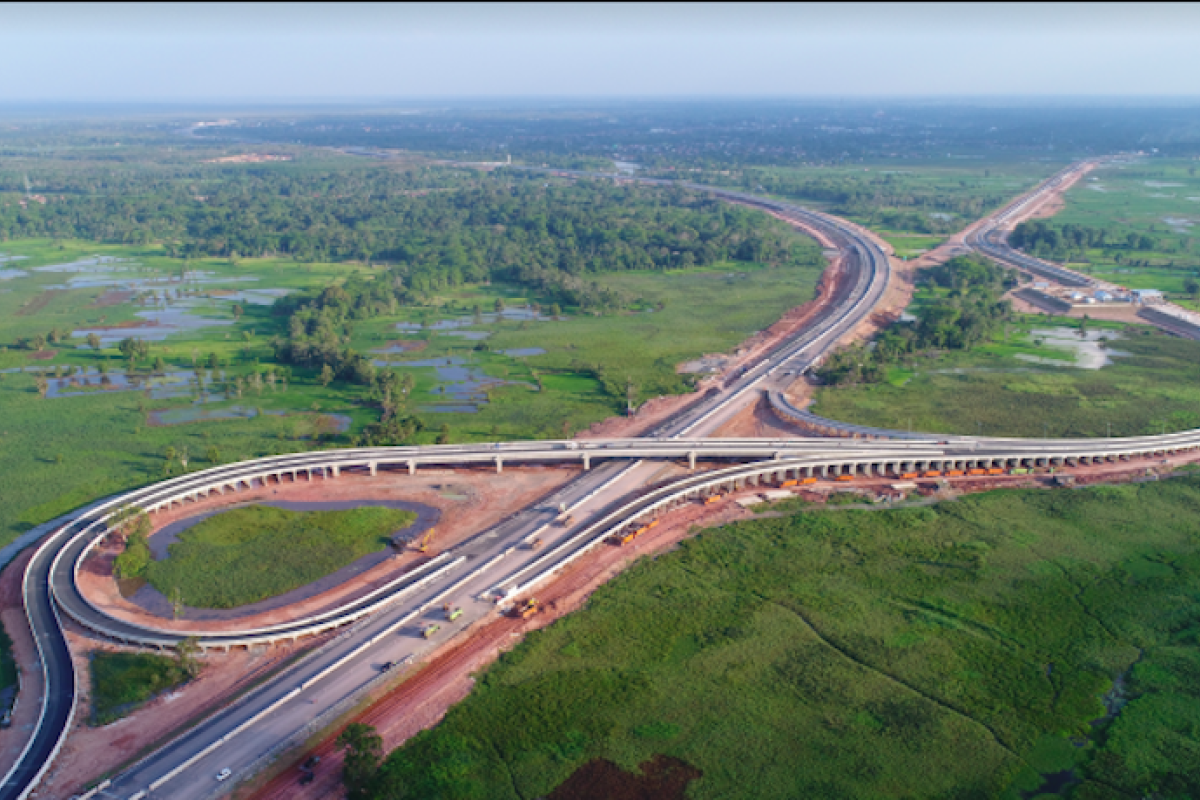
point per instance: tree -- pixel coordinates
(93, 341)
(364, 752)
(213, 363)
(212, 454)
(326, 375)
(185, 655)
(1192, 287)
(238, 311)
(160, 365)
(43, 385)
(39, 342)
(444, 434)
(499, 304)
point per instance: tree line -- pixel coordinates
(965, 315)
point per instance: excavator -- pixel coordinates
(422, 544)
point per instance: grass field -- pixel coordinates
(991, 391)
(62, 452)
(1159, 197)
(249, 554)
(954, 651)
(121, 682)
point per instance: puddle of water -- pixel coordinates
(164, 386)
(461, 384)
(515, 314)
(1089, 354)
(4, 258)
(9, 274)
(522, 352)
(1161, 185)
(472, 335)
(449, 408)
(93, 264)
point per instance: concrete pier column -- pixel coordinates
(587, 461)
(374, 467)
(499, 465)
(692, 460)
(808, 472)
(336, 470)
(412, 467)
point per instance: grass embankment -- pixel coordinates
(989, 391)
(948, 651)
(122, 682)
(249, 554)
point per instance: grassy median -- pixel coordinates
(249, 554)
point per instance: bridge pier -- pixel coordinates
(374, 467)
(412, 467)
(499, 465)
(587, 461)
(692, 460)
(336, 470)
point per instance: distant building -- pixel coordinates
(1104, 297)
(1147, 296)
(1041, 284)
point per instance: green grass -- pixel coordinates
(989, 391)
(249, 554)
(122, 682)
(64, 452)
(1117, 198)
(940, 652)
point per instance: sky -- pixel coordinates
(350, 52)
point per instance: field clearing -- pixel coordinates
(959, 650)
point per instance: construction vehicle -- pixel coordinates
(1018, 471)
(713, 498)
(534, 544)
(565, 521)
(933, 473)
(844, 478)
(429, 630)
(954, 473)
(977, 472)
(786, 484)
(454, 614)
(909, 475)
(806, 481)
(422, 544)
(524, 609)
(995, 471)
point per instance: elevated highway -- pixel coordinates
(48, 585)
(496, 565)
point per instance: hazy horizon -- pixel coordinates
(420, 53)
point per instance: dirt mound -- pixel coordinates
(662, 778)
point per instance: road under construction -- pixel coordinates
(614, 494)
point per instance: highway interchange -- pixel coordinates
(496, 565)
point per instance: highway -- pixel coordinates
(495, 565)
(286, 705)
